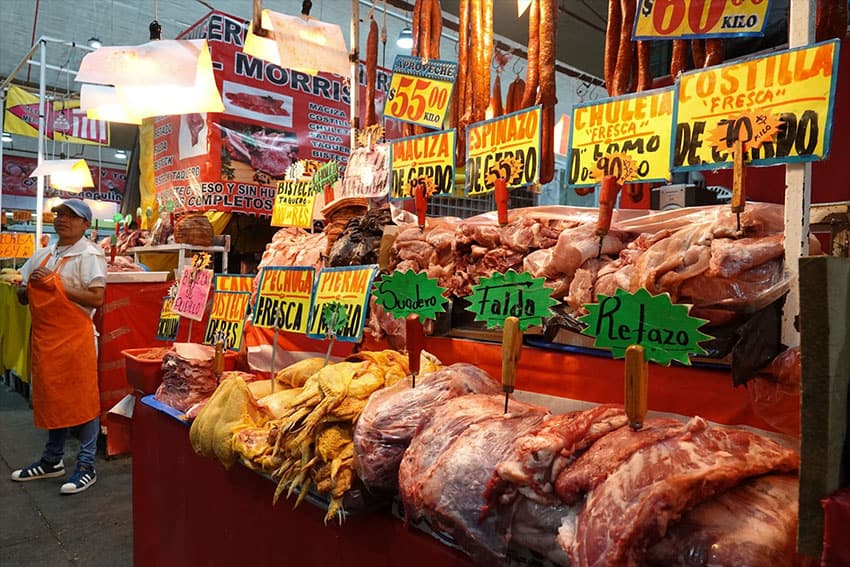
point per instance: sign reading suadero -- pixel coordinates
(427, 155)
(403, 293)
(511, 294)
(283, 294)
(513, 136)
(17, 245)
(664, 329)
(169, 321)
(671, 19)
(795, 86)
(227, 318)
(628, 137)
(420, 92)
(347, 287)
(293, 204)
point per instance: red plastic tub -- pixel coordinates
(145, 374)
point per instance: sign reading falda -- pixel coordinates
(109, 182)
(273, 116)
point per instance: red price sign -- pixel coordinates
(419, 92)
(671, 19)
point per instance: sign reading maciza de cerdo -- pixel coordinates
(427, 155)
(741, 100)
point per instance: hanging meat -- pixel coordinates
(371, 73)
(546, 95)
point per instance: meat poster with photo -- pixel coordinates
(109, 181)
(273, 116)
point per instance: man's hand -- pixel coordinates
(22, 295)
(40, 273)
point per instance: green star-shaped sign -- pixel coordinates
(663, 328)
(511, 294)
(403, 293)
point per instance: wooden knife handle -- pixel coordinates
(636, 386)
(607, 198)
(511, 349)
(502, 200)
(415, 341)
(738, 193)
(421, 204)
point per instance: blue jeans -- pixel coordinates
(87, 434)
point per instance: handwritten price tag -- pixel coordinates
(619, 165)
(16, 245)
(420, 93)
(293, 204)
(227, 318)
(169, 321)
(670, 19)
(511, 294)
(283, 296)
(403, 293)
(752, 128)
(429, 155)
(341, 288)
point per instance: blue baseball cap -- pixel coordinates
(78, 207)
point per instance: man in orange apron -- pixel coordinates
(63, 284)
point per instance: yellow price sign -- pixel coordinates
(428, 155)
(513, 138)
(747, 99)
(671, 19)
(293, 204)
(344, 291)
(283, 298)
(169, 321)
(420, 92)
(16, 245)
(627, 136)
(227, 318)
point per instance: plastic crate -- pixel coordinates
(145, 374)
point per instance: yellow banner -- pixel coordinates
(65, 122)
(16, 245)
(293, 204)
(628, 137)
(227, 318)
(506, 147)
(284, 293)
(169, 321)
(420, 92)
(717, 105)
(670, 19)
(345, 291)
(429, 155)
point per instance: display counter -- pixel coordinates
(189, 510)
(14, 333)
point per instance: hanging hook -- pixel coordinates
(515, 66)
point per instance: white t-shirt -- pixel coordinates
(85, 266)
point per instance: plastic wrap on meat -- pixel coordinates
(608, 453)
(447, 465)
(536, 459)
(633, 507)
(185, 381)
(368, 172)
(535, 527)
(393, 415)
(753, 524)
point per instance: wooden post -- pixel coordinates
(798, 186)
(826, 381)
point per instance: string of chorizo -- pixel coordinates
(546, 96)
(713, 52)
(644, 71)
(532, 70)
(679, 61)
(623, 68)
(371, 73)
(612, 43)
(698, 53)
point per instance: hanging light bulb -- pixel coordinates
(94, 43)
(65, 174)
(405, 39)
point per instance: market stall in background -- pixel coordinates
(350, 315)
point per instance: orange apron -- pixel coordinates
(64, 359)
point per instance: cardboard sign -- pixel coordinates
(403, 293)
(17, 245)
(427, 155)
(192, 292)
(664, 329)
(797, 86)
(349, 287)
(420, 92)
(233, 161)
(169, 321)
(229, 282)
(293, 204)
(627, 136)
(227, 318)
(514, 136)
(284, 293)
(676, 19)
(328, 174)
(511, 294)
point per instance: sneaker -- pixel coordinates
(82, 478)
(40, 469)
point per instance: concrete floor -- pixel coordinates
(39, 526)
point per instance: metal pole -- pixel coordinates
(355, 71)
(42, 118)
(2, 169)
(798, 187)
